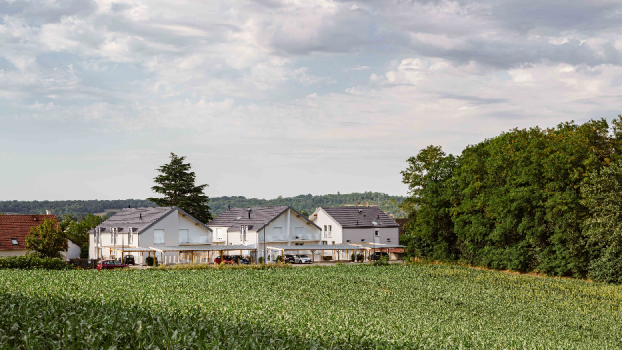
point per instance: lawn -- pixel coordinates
(340, 307)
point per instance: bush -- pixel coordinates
(279, 258)
(149, 261)
(359, 257)
(84, 251)
(383, 261)
(353, 257)
(608, 268)
(261, 260)
(32, 261)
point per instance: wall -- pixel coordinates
(356, 234)
(72, 253)
(321, 218)
(13, 252)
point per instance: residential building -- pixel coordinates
(367, 226)
(15, 228)
(257, 227)
(137, 231)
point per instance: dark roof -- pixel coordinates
(360, 217)
(259, 217)
(140, 219)
(18, 227)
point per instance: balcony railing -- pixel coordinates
(195, 240)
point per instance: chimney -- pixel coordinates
(140, 216)
(47, 212)
(229, 207)
(249, 212)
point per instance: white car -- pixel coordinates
(302, 259)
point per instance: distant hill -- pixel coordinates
(303, 202)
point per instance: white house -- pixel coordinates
(73, 251)
(140, 231)
(281, 226)
(368, 226)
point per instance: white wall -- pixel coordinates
(13, 252)
(355, 235)
(171, 224)
(72, 253)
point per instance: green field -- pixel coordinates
(340, 307)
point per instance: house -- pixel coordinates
(14, 229)
(73, 251)
(263, 227)
(141, 232)
(368, 226)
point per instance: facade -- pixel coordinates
(73, 251)
(367, 226)
(14, 229)
(281, 226)
(142, 229)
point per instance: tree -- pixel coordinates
(176, 184)
(78, 230)
(602, 195)
(47, 239)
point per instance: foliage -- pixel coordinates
(279, 258)
(602, 193)
(393, 307)
(510, 202)
(359, 257)
(176, 184)
(78, 229)
(353, 257)
(383, 261)
(47, 239)
(307, 203)
(261, 260)
(223, 266)
(150, 260)
(84, 251)
(32, 261)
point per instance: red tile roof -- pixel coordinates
(18, 227)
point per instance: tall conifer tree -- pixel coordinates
(176, 184)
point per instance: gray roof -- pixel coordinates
(140, 219)
(259, 217)
(360, 217)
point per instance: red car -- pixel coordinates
(110, 264)
(228, 259)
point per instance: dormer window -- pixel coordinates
(14, 241)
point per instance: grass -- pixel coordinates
(423, 306)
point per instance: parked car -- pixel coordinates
(377, 255)
(228, 259)
(239, 259)
(289, 259)
(129, 260)
(302, 259)
(110, 264)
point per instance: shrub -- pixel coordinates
(359, 257)
(608, 268)
(261, 259)
(32, 261)
(383, 261)
(149, 261)
(84, 251)
(279, 258)
(353, 257)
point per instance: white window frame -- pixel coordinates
(154, 236)
(376, 233)
(130, 235)
(330, 231)
(187, 233)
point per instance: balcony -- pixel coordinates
(195, 240)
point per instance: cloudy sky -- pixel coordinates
(277, 97)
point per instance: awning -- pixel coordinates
(129, 249)
(317, 247)
(202, 248)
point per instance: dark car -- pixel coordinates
(110, 264)
(377, 255)
(129, 260)
(228, 259)
(289, 259)
(239, 259)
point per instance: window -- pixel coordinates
(277, 233)
(363, 240)
(158, 236)
(377, 233)
(325, 231)
(298, 232)
(243, 232)
(14, 241)
(333, 242)
(324, 243)
(347, 241)
(388, 239)
(299, 244)
(183, 236)
(330, 231)
(130, 236)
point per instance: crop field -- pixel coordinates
(340, 307)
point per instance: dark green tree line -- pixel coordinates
(514, 201)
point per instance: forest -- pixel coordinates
(543, 200)
(306, 202)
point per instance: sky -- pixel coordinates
(284, 97)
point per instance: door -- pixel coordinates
(376, 236)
